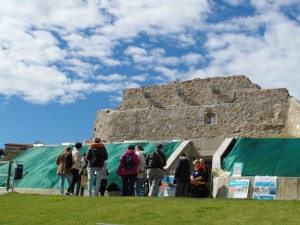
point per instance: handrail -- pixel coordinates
(8, 174)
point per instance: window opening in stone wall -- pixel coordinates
(215, 89)
(180, 92)
(210, 118)
(147, 95)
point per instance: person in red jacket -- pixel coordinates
(96, 156)
(128, 170)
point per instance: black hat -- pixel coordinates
(140, 147)
(131, 147)
(159, 146)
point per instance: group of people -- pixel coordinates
(135, 167)
(141, 175)
(93, 162)
(193, 184)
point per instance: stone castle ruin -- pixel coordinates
(217, 107)
(200, 117)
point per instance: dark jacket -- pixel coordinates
(156, 159)
(96, 155)
(201, 172)
(182, 171)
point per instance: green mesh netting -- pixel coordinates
(40, 169)
(266, 157)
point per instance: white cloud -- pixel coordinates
(269, 60)
(157, 57)
(235, 2)
(153, 17)
(58, 51)
(191, 59)
(168, 74)
(267, 5)
(139, 78)
(111, 78)
(186, 40)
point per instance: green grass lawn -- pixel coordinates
(22, 209)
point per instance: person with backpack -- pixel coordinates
(64, 168)
(155, 162)
(96, 156)
(75, 167)
(128, 170)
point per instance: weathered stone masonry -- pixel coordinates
(200, 108)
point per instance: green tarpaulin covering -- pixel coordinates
(266, 157)
(40, 168)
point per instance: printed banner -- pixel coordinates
(264, 187)
(237, 169)
(167, 188)
(238, 188)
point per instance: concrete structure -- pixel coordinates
(217, 107)
(293, 123)
(17, 147)
(288, 188)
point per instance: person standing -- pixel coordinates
(82, 173)
(103, 179)
(182, 176)
(155, 162)
(62, 170)
(129, 162)
(139, 181)
(96, 156)
(83, 161)
(75, 168)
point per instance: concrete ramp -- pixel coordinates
(186, 147)
(222, 152)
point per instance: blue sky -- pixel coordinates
(62, 61)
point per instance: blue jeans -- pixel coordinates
(139, 187)
(91, 172)
(62, 182)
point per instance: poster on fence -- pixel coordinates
(238, 188)
(237, 169)
(264, 187)
(167, 188)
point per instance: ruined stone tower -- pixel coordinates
(200, 108)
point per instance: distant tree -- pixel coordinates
(2, 154)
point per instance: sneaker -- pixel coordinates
(68, 193)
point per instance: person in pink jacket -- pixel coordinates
(128, 170)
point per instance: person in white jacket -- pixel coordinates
(75, 168)
(139, 181)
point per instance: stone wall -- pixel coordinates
(187, 93)
(201, 108)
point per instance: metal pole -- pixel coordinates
(8, 175)
(13, 182)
